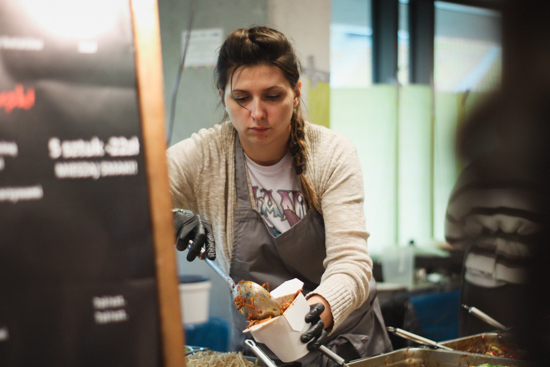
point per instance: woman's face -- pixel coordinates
(260, 102)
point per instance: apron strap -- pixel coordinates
(240, 176)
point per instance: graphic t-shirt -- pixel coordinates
(277, 194)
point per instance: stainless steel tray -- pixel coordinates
(478, 340)
(481, 341)
(424, 357)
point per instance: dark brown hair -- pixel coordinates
(263, 45)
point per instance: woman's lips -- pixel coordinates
(259, 130)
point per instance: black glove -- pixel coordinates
(193, 232)
(316, 334)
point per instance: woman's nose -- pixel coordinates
(257, 109)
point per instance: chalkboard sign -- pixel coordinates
(87, 270)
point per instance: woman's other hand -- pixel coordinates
(320, 318)
(193, 232)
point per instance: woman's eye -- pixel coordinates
(273, 97)
(240, 98)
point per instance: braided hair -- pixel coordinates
(262, 45)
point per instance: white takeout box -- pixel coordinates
(282, 333)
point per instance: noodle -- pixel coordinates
(216, 359)
(256, 322)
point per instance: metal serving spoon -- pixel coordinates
(251, 299)
(260, 353)
(484, 317)
(416, 338)
(335, 357)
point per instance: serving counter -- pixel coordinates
(424, 357)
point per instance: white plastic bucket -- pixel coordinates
(194, 298)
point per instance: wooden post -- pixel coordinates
(151, 97)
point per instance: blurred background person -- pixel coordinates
(493, 217)
(507, 141)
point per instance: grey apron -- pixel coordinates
(297, 253)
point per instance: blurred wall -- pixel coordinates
(197, 99)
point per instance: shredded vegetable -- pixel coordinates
(493, 350)
(216, 359)
(256, 322)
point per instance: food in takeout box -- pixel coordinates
(282, 334)
(284, 295)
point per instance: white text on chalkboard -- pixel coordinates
(22, 193)
(108, 302)
(8, 149)
(95, 170)
(106, 317)
(117, 146)
(109, 309)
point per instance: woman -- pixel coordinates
(284, 197)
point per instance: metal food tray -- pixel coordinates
(424, 357)
(480, 341)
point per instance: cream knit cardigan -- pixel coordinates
(202, 179)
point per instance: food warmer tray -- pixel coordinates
(424, 357)
(478, 340)
(484, 340)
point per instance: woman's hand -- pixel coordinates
(193, 232)
(326, 316)
(320, 318)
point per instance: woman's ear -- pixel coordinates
(297, 93)
(221, 96)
